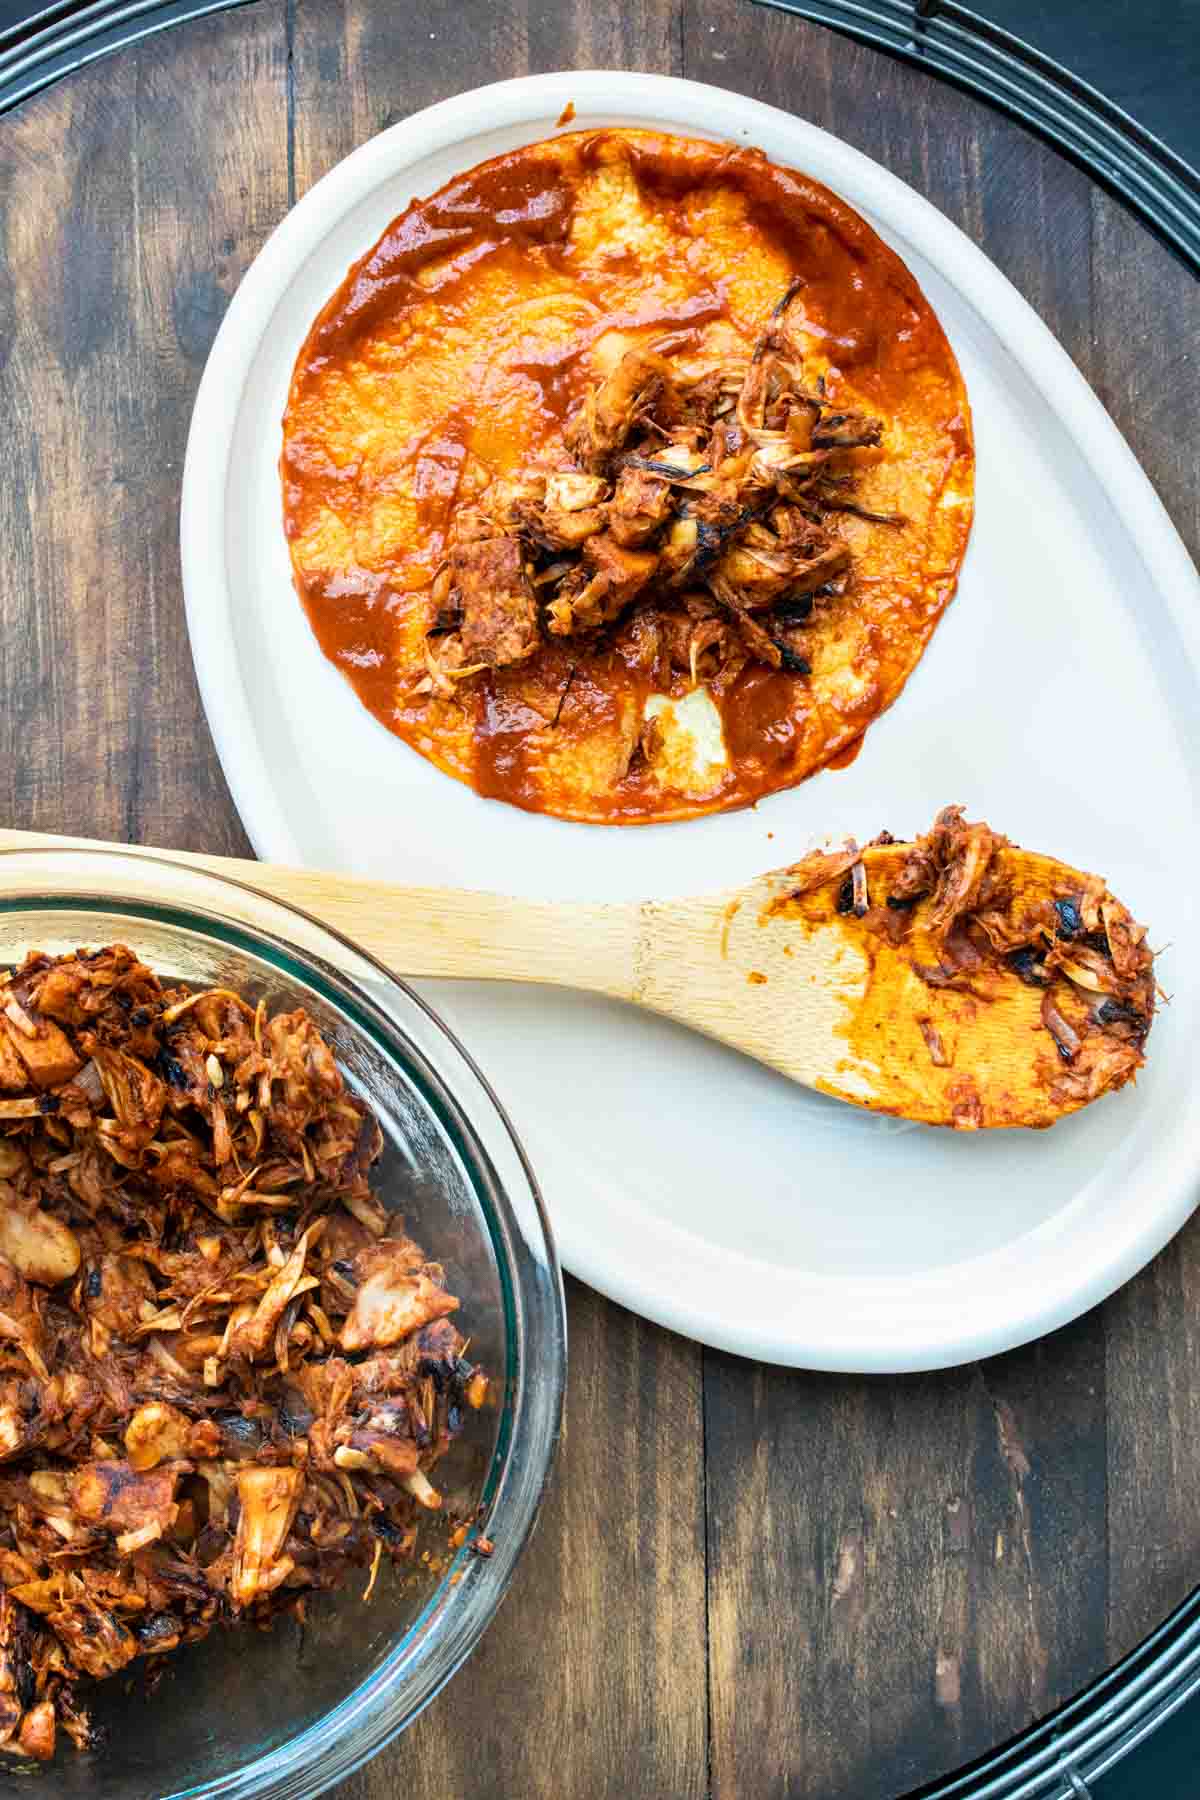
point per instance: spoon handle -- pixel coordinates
(432, 931)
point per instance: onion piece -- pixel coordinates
(422, 1490)
(934, 1044)
(89, 1082)
(1066, 1039)
(18, 1017)
(162, 1355)
(1088, 978)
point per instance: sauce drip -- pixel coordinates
(842, 759)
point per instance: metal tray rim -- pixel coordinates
(1058, 1757)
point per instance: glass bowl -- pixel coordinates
(288, 1712)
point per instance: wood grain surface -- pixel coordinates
(748, 1582)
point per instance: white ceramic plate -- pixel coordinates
(1060, 699)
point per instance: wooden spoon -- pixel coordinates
(790, 981)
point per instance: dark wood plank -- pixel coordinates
(902, 1572)
(606, 1629)
(360, 67)
(591, 1683)
(1147, 355)
(1153, 1351)
(1147, 372)
(137, 194)
(860, 1647)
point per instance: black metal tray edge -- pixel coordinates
(958, 45)
(941, 36)
(65, 36)
(1056, 1758)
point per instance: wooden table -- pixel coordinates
(747, 1581)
